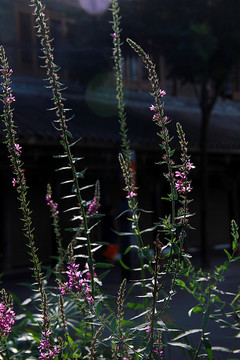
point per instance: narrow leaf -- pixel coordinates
(181, 345)
(113, 325)
(103, 265)
(186, 333)
(124, 265)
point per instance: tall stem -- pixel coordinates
(42, 31)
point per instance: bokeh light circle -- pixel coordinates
(94, 7)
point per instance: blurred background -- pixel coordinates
(196, 48)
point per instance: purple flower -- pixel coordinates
(179, 174)
(161, 93)
(156, 116)
(7, 320)
(53, 205)
(153, 108)
(18, 148)
(114, 35)
(131, 195)
(14, 181)
(182, 186)
(9, 99)
(45, 347)
(93, 207)
(190, 165)
(62, 289)
(76, 280)
(48, 197)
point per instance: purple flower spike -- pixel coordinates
(7, 320)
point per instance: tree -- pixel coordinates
(201, 43)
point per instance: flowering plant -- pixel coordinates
(76, 319)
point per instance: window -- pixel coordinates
(133, 68)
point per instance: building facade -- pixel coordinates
(96, 123)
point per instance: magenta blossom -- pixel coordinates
(161, 93)
(183, 186)
(14, 181)
(7, 320)
(131, 195)
(45, 347)
(9, 99)
(18, 148)
(156, 116)
(53, 205)
(76, 280)
(153, 108)
(190, 165)
(93, 207)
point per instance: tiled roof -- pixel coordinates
(95, 122)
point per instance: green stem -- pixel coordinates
(58, 102)
(204, 324)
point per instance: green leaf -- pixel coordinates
(75, 142)
(122, 213)
(228, 255)
(63, 168)
(195, 309)
(103, 265)
(139, 315)
(69, 134)
(80, 175)
(135, 306)
(129, 248)
(102, 275)
(149, 347)
(149, 229)
(206, 317)
(164, 198)
(127, 323)
(186, 333)
(217, 299)
(124, 265)
(59, 156)
(68, 196)
(220, 348)
(87, 187)
(176, 248)
(181, 283)
(161, 326)
(208, 348)
(62, 142)
(72, 209)
(181, 345)
(235, 258)
(124, 233)
(99, 308)
(147, 254)
(66, 182)
(113, 325)
(90, 265)
(70, 340)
